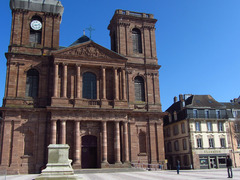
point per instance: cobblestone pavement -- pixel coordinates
(217, 174)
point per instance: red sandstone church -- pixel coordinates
(105, 104)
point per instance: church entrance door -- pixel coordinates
(89, 151)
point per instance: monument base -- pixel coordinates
(57, 177)
(59, 166)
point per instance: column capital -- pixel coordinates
(78, 65)
(103, 67)
(115, 68)
(64, 64)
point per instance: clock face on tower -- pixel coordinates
(36, 25)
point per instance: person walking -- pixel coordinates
(178, 166)
(229, 167)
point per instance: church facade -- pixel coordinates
(105, 104)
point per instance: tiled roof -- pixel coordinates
(231, 105)
(197, 101)
(206, 101)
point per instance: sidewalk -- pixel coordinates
(131, 174)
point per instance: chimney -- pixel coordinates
(175, 99)
(180, 97)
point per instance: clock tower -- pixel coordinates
(35, 26)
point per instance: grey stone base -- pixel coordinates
(57, 177)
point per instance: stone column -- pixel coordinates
(78, 80)
(64, 80)
(77, 152)
(104, 142)
(117, 143)
(53, 132)
(63, 132)
(125, 137)
(103, 83)
(116, 84)
(124, 84)
(55, 93)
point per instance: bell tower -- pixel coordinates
(35, 26)
(133, 35)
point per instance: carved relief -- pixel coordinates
(87, 51)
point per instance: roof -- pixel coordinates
(231, 105)
(205, 101)
(196, 101)
(51, 6)
(81, 40)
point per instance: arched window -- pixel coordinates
(32, 83)
(142, 142)
(89, 86)
(139, 89)
(36, 30)
(137, 42)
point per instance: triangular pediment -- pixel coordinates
(90, 50)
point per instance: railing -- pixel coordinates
(93, 103)
(149, 167)
(210, 116)
(132, 13)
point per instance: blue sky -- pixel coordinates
(198, 41)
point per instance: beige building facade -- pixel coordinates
(197, 133)
(105, 104)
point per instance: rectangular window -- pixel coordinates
(238, 143)
(234, 114)
(176, 146)
(221, 160)
(211, 143)
(199, 142)
(222, 142)
(220, 126)
(198, 126)
(184, 144)
(168, 132)
(236, 127)
(206, 114)
(175, 130)
(169, 147)
(195, 113)
(218, 114)
(209, 126)
(183, 128)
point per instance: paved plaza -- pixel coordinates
(216, 174)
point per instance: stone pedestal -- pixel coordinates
(59, 166)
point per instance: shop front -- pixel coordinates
(209, 161)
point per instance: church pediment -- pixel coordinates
(88, 50)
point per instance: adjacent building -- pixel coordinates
(105, 104)
(196, 132)
(233, 109)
